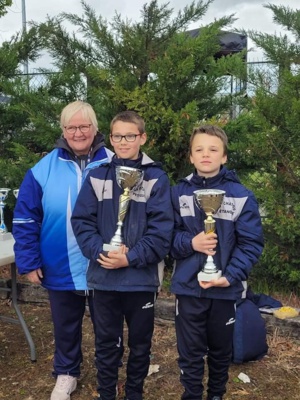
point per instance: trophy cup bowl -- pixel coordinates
(210, 201)
(16, 193)
(4, 235)
(127, 178)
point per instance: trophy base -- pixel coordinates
(5, 236)
(111, 247)
(208, 276)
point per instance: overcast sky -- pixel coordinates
(250, 14)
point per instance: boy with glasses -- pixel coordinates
(126, 281)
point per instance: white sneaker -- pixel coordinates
(65, 385)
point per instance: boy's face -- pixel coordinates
(125, 149)
(207, 154)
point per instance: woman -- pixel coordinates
(46, 249)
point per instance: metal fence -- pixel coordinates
(231, 84)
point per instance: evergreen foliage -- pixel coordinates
(265, 146)
(16, 152)
(152, 66)
(3, 6)
(155, 67)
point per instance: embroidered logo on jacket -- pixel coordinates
(230, 321)
(186, 204)
(148, 305)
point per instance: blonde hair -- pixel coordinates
(212, 130)
(131, 117)
(72, 108)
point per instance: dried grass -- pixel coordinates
(275, 377)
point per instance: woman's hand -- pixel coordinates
(35, 276)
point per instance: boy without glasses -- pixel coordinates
(125, 282)
(205, 311)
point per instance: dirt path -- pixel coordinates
(276, 377)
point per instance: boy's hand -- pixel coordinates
(221, 282)
(205, 243)
(114, 259)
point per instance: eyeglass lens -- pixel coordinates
(129, 138)
(83, 129)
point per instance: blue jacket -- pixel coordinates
(147, 226)
(41, 224)
(239, 230)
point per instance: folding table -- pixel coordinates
(7, 257)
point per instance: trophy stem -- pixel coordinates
(209, 271)
(127, 179)
(4, 234)
(117, 239)
(210, 266)
(210, 201)
(3, 228)
(209, 224)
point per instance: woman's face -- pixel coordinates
(80, 140)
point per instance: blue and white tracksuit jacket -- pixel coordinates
(147, 226)
(239, 230)
(41, 225)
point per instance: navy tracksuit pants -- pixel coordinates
(67, 309)
(110, 310)
(204, 327)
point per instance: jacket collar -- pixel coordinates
(223, 176)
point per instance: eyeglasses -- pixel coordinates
(130, 137)
(71, 130)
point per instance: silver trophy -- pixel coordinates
(210, 201)
(3, 230)
(127, 179)
(16, 193)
